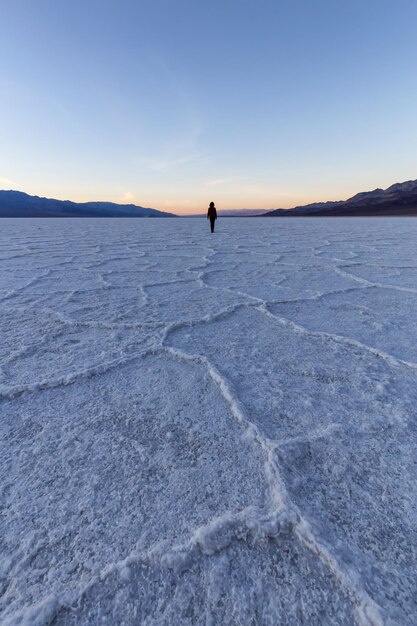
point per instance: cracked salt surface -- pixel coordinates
(206, 429)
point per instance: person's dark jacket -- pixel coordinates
(212, 213)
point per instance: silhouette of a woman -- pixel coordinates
(212, 215)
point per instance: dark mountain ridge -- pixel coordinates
(20, 204)
(399, 199)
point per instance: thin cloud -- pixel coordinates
(7, 181)
(220, 181)
(182, 144)
(188, 137)
(128, 196)
(165, 164)
(263, 190)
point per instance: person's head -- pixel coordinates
(211, 204)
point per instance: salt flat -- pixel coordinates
(208, 429)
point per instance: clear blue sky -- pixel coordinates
(173, 103)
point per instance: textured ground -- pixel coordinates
(208, 429)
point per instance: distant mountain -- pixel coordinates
(240, 212)
(231, 213)
(19, 204)
(400, 199)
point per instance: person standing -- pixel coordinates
(212, 215)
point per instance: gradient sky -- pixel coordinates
(173, 103)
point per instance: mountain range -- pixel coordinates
(399, 199)
(240, 212)
(19, 204)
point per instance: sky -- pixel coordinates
(171, 104)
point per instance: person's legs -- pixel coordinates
(212, 220)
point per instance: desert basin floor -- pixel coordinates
(208, 429)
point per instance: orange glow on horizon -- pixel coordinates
(254, 199)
